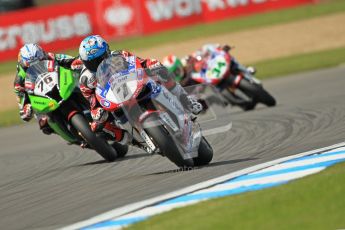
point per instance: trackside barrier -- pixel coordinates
(62, 26)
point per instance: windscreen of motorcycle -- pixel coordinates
(117, 79)
(41, 78)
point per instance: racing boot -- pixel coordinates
(112, 132)
(191, 104)
(188, 102)
(44, 126)
(251, 70)
(196, 106)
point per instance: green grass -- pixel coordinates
(266, 69)
(314, 202)
(210, 29)
(299, 63)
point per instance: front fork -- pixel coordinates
(135, 120)
(235, 83)
(243, 76)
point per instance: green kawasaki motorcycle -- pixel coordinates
(53, 90)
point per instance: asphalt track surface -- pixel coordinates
(46, 184)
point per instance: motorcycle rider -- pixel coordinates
(30, 54)
(184, 67)
(92, 51)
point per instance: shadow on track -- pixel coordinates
(213, 164)
(130, 157)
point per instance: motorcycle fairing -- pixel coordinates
(216, 66)
(110, 92)
(49, 85)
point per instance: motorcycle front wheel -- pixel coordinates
(257, 93)
(101, 146)
(166, 144)
(121, 150)
(205, 153)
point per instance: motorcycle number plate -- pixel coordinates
(216, 67)
(124, 88)
(45, 83)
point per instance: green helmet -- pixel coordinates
(174, 65)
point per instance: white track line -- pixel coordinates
(300, 163)
(265, 180)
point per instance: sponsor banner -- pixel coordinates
(161, 15)
(63, 26)
(53, 27)
(214, 10)
(167, 14)
(118, 18)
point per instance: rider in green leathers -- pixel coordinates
(30, 54)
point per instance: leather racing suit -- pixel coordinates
(25, 110)
(101, 122)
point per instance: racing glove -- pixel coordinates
(77, 64)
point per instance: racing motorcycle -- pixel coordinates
(53, 92)
(154, 117)
(241, 89)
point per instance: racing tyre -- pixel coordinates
(266, 98)
(205, 153)
(121, 150)
(101, 146)
(257, 93)
(162, 139)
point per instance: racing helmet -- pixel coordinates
(209, 48)
(29, 54)
(175, 66)
(92, 51)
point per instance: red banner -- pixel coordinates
(63, 26)
(167, 14)
(118, 18)
(228, 9)
(159, 15)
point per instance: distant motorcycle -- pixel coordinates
(53, 91)
(241, 89)
(154, 117)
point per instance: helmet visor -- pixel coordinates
(93, 64)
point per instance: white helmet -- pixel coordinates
(29, 54)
